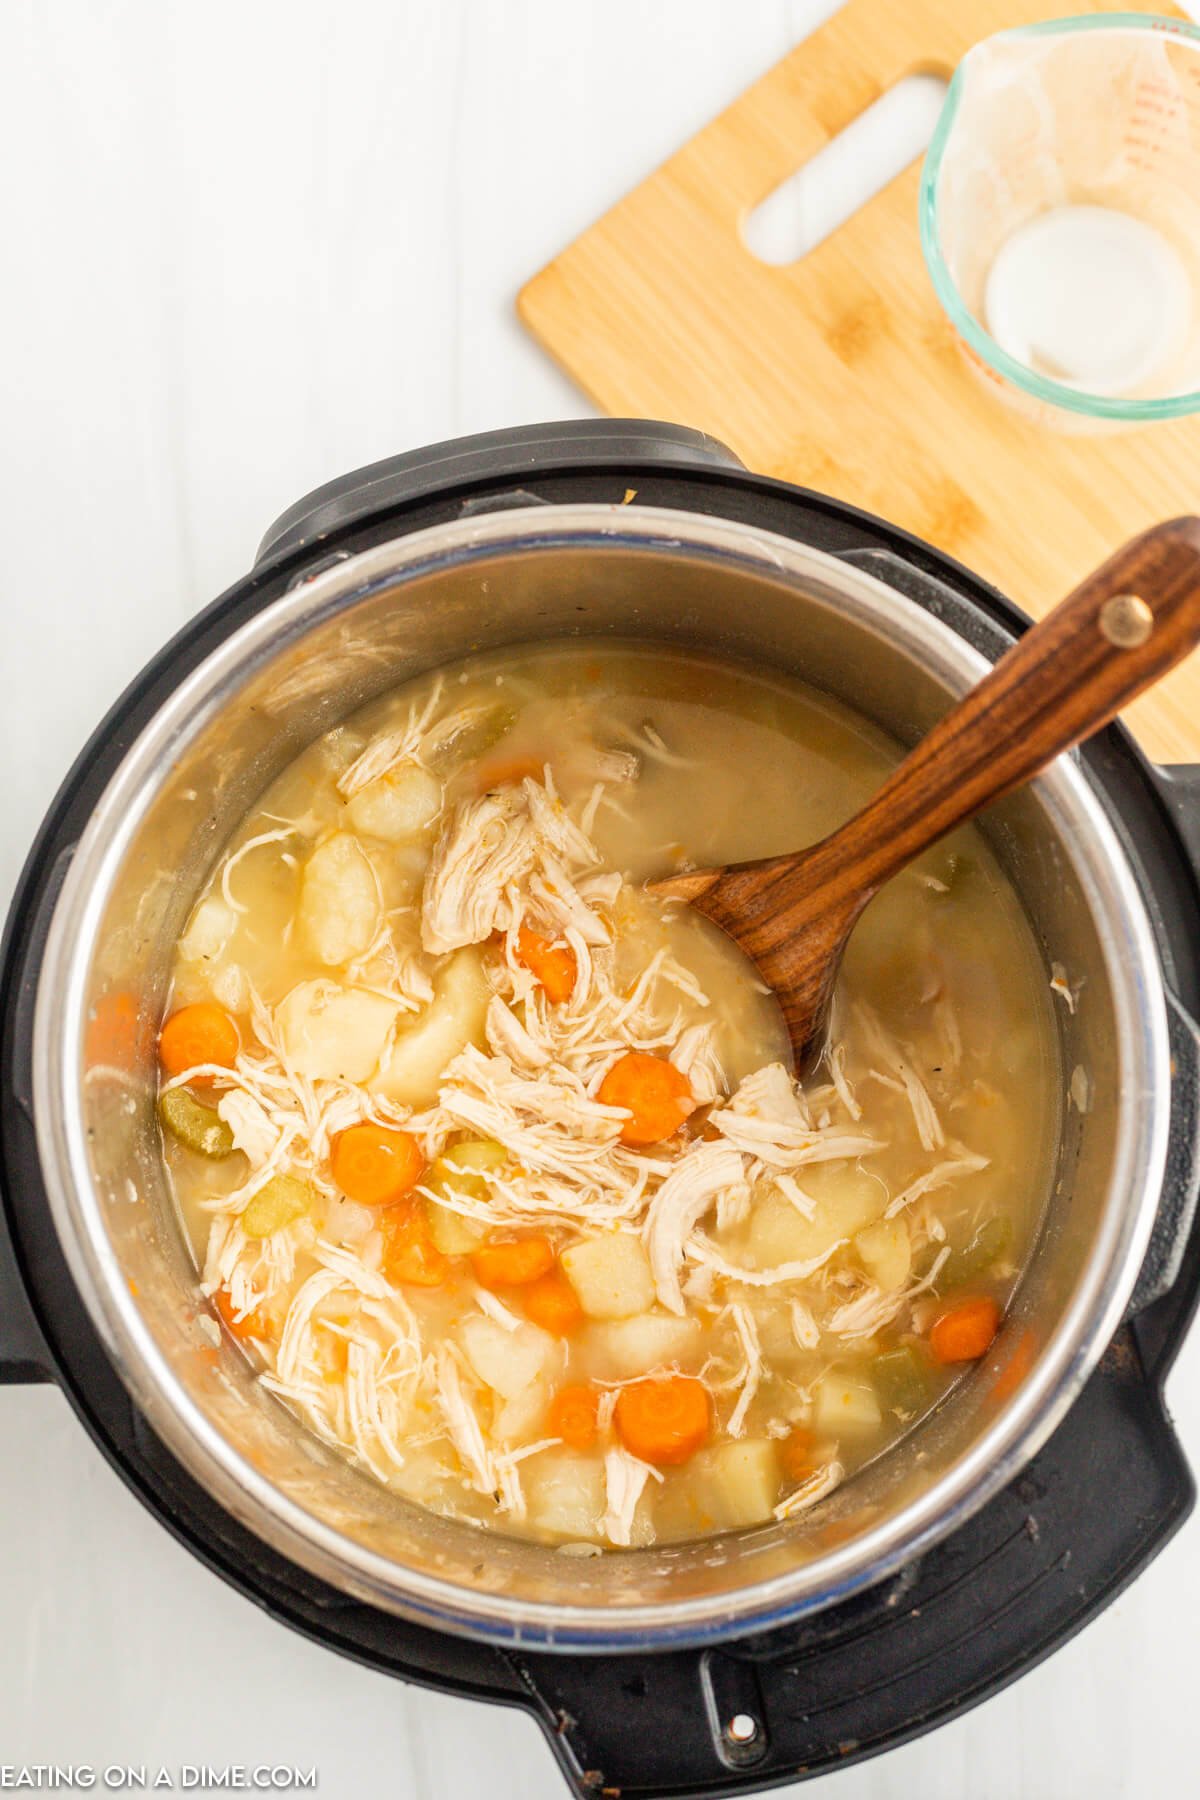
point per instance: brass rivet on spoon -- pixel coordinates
(1126, 621)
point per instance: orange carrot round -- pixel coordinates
(656, 1094)
(1016, 1368)
(572, 1416)
(796, 1453)
(203, 1033)
(663, 1419)
(552, 1303)
(250, 1325)
(964, 1331)
(409, 1252)
(513, 1262)
(553, 965)
(374, 1165)
(117, 1032)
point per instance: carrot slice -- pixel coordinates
(965, 1330)
(796, 1453)
(1016, 1368)
(374, 1165)
(572, 1416)
(552, 1303)
(508, 771)
(203, 1033)
(251, 1325)
(553, 965)
(409, 1252)
(656, 1094)
(514, 1262)
(663, 1419)
(117, 1032)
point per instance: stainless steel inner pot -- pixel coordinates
(377, 619)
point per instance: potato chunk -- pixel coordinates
(737, 1483)
(565, 1493)
(611, 1276)
(398, 805)
(885, 1252)
(209, 930)
(453, 1019)
(339, 912)
(846, 1200)
(520, 1419)
(844, 1403)
(334, 1033)
(508, 1362)
(651, 1340)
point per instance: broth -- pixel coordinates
(447, 990)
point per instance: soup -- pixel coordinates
(493, 1164)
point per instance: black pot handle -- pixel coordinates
(488, 456)
(1179, 785)
(1181, 1182)
(1179, 790)
(1009, 1585)
(23, 1353)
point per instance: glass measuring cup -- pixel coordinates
(1060, 217)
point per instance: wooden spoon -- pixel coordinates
(1130, 622)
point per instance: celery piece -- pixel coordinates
(460, 1168)
(195, 1126)
(282, 1201)
(989, 1244)
(474, 737)
(459, 1171)
(900, 1382)
(452, 1232)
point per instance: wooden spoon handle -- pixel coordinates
(1120, 630)
(1125, 626)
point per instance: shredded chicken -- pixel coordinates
(809, 1492)
(1061, 985)
(625, 1477)
(232, 862)
(369, 1412)
(699, 1249)
(767, 1119)
(805, 1329)
(511, 838)
(462, 1425)
(495, 1309)
(874, 1308)
(898, 1064)
(747, 1331)
(390, 748)
(508, 1037)
(694, 1051)
(965, 1162)
(678, 1206)
(343, 1345)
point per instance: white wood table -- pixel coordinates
(247, 246)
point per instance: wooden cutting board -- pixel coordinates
(840, 371)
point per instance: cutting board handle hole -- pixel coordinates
(848, 171)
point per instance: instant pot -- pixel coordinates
(1042, 1485)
